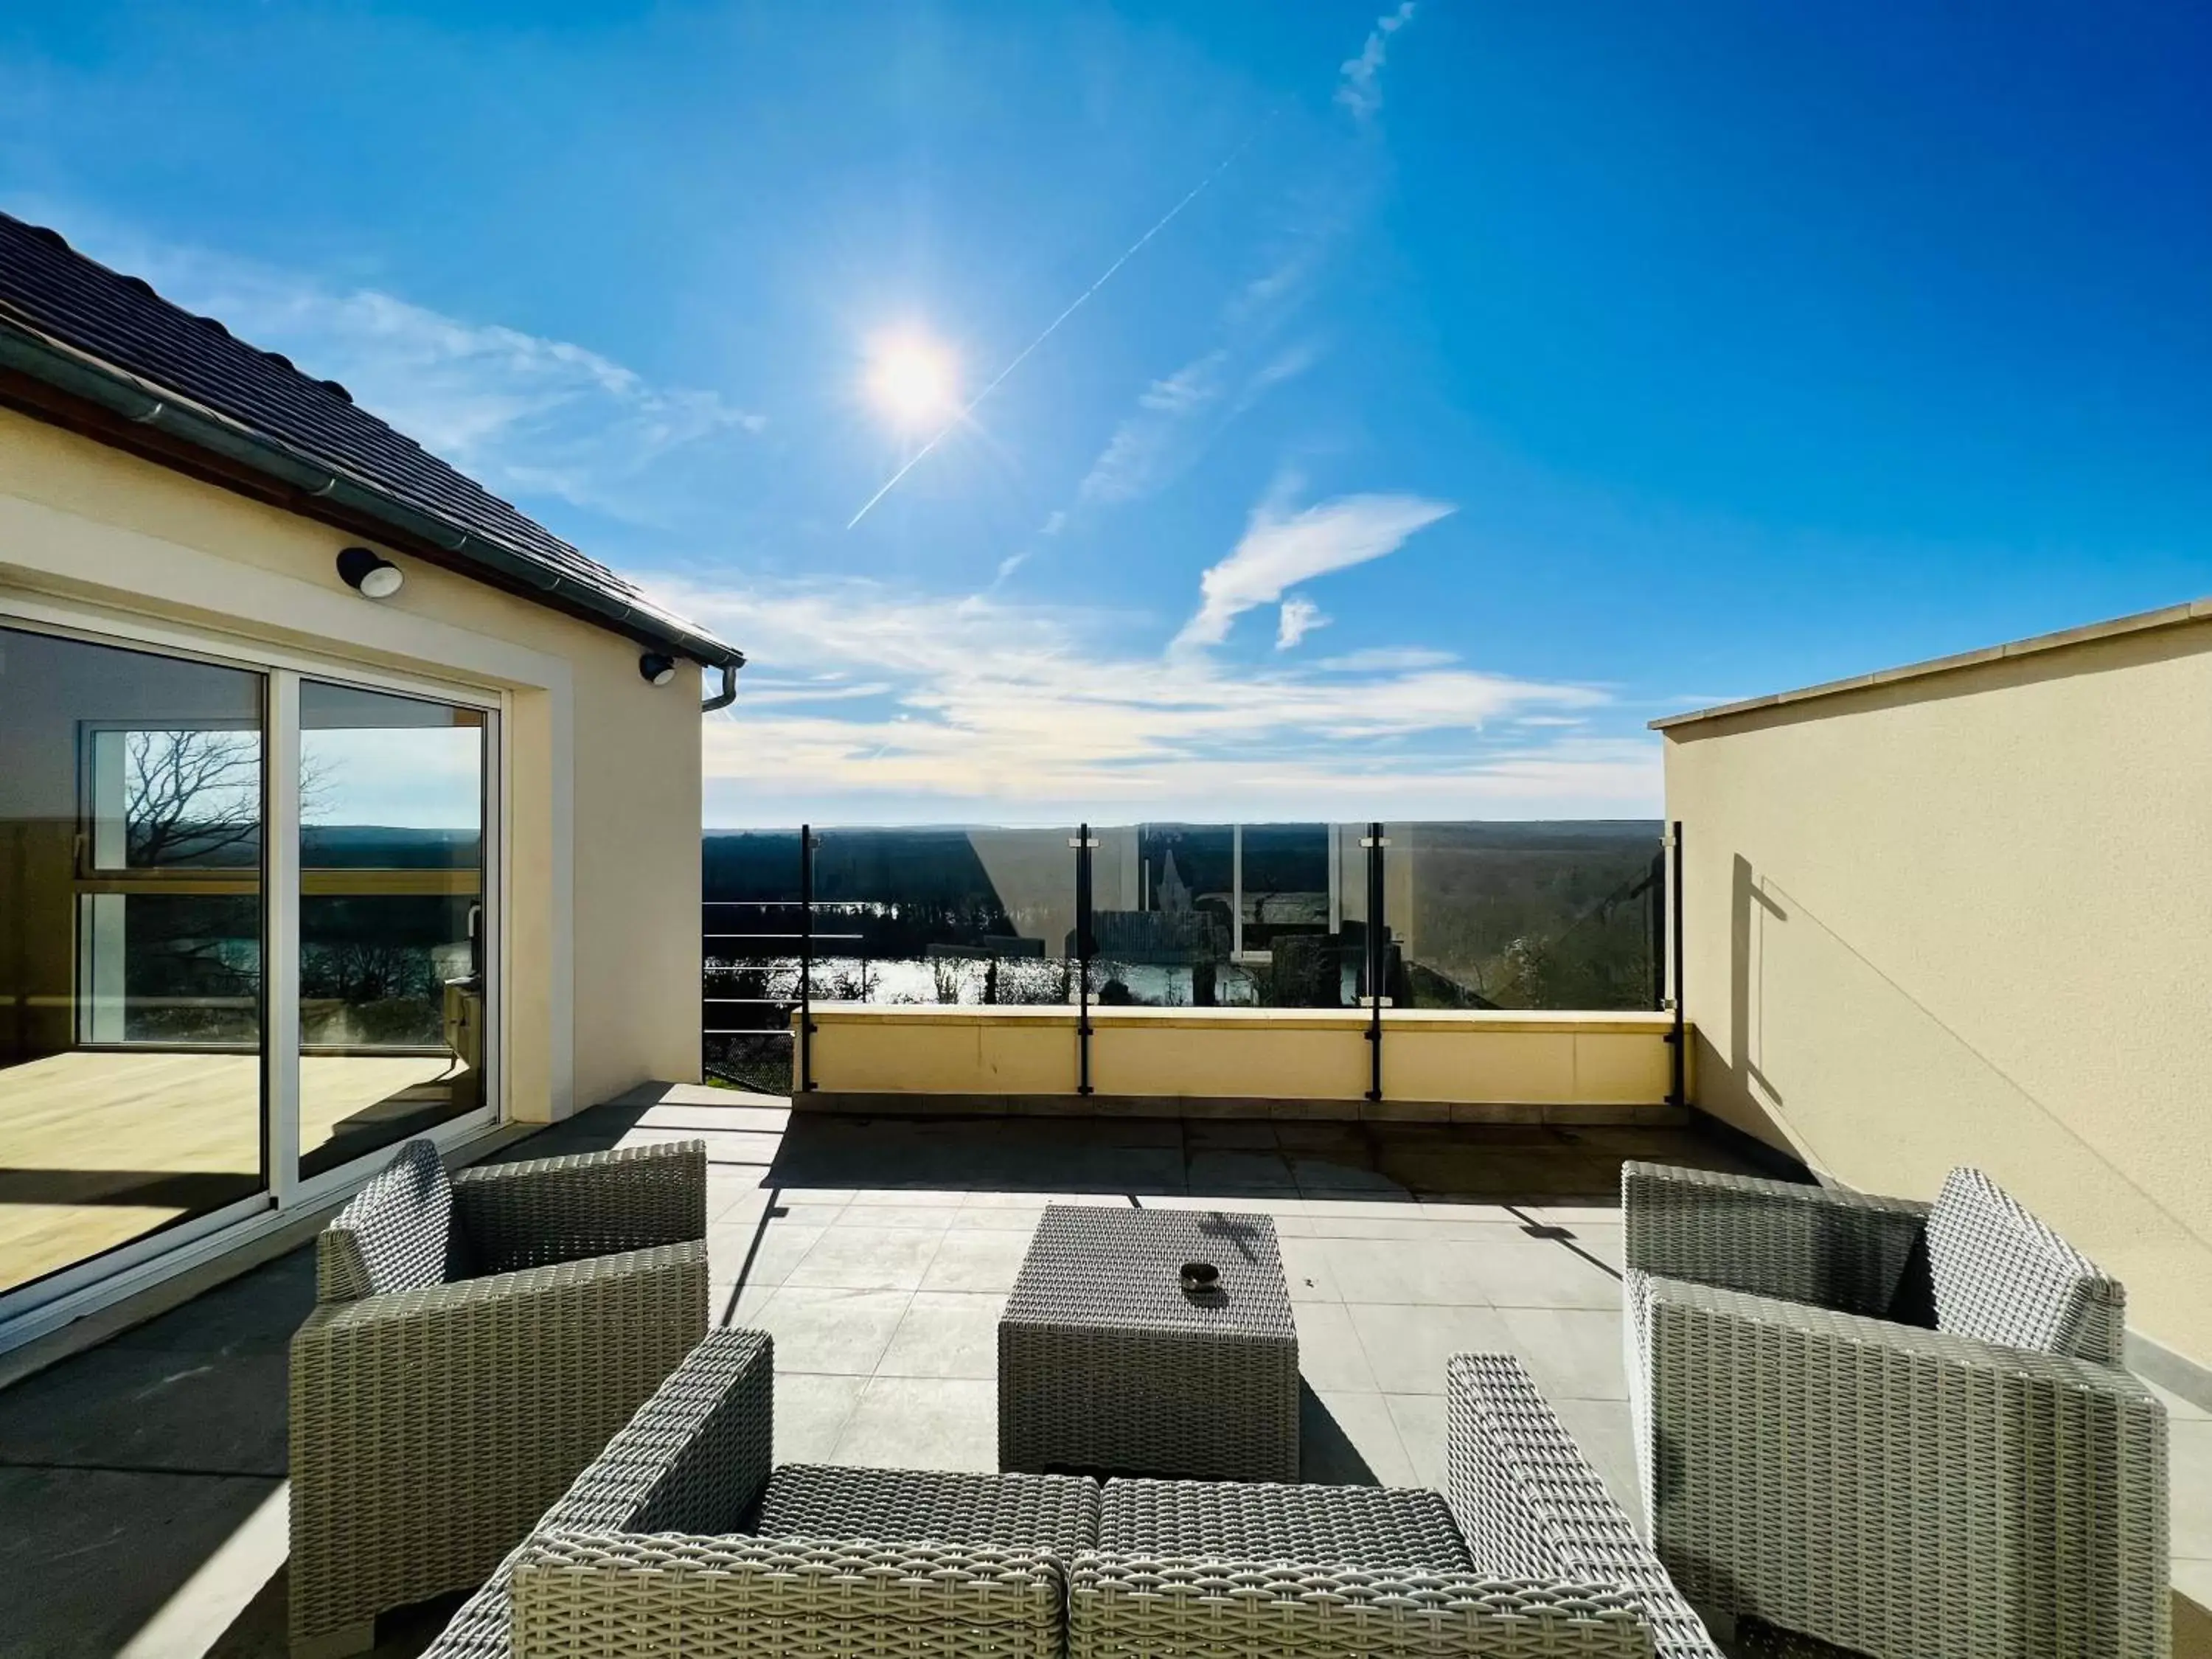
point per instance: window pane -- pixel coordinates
(130, 1062)
(392, 890)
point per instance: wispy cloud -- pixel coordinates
(1359, 86)
(1281, 547)
(1386, 659)
(1141, 455)
(1007, 711)
(522, 414)
(1298, 617)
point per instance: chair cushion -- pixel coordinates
(2001, 1276)
(1056, 1512)
(1375, 1528)
(397, 1234)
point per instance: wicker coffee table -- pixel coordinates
(1106, 1365)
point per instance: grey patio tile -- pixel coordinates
(818, 1329)
(1306, 1272)
(1573, 1354)
(909, 1198)
(1322, 1175)
(1407, 1270)
(1330, 1357)
(812, 1411)
(718, 1120)
(152, 1409)
(945, 1334)
(258, 1312)
(923, 1423)
(1229, 1169)
(1407, 1346)
(1000, 1219)
(853, 1257)
(787, 1211)
(1420, 1420)
(780, 1248)
(2188, 1464)
(1350, 1439)
(1317, 1223)
(732, 1201)
(1211, 1132)
(1341, 1205)
(837, 1197)
(993, 1198)
(1344, 1138)
(918, 1218)
(101, 1564)
(1601, 1428)
(2178, 1409)
(1576, 1215)
(976, 1261)
(1541, 1274)
(738, 1307)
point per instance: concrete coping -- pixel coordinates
(2142, 622)
(1625, 1022)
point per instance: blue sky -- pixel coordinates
(1516, 374)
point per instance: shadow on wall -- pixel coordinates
(1827, 1053)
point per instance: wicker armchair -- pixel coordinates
(1897, 1428)
(682, 1538)
(1528, 1557)
(475, 1343)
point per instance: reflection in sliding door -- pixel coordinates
(392, 947)
(131, 932)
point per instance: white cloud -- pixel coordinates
(1386, 659)
(1298, 618)
(522, 414)
(1359, 86)
(1004, 711)
(1280, 549)
(1142, 454)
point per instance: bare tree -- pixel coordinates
(189, 795)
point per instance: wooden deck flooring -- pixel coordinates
(97, 1148)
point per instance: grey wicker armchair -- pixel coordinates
(682, 1538)
(1898, 1428)
(475, 1343)
(1527, 1557)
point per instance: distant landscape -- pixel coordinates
(1540, 915)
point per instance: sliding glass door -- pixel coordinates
(391, 919)
(131, 1093)
(148, 864)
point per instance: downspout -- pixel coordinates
(728, 694)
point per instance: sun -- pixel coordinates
(912, 379)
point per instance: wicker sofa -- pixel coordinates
(682, 1538)
(1898, 1428)
(475, 1342)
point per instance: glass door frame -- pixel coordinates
(145, 1260)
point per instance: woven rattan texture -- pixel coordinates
(1893, 1490)
(1105, 1364)
(395, 1234)
(429, 1427)
(1371, 1526)
(2001, 1275)
(699, 1449)
(1135, 1607)
(1806, 1244)
(1007, 1511)
(561, 1209)
(1530, 1504)
(585, 1596)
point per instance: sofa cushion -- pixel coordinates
(1055, 1512)
(2001, 1276)
(1376, 1528)
(397, 1234)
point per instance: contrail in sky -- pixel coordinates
(1076, 305)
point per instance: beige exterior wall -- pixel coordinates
(1966, 916)
(602, 772)
(1528, 1066)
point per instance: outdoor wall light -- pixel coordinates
(371, 577)
(656, 669)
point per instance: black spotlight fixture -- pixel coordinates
(656, 669)
(369, 575)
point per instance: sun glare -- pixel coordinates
(912, 379)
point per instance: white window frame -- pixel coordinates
(27, 1312)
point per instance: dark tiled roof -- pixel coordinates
(122, 322)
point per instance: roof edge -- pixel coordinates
(80, 375)
(2140, 621)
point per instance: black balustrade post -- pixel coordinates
(1679, 1095)
(1083, 843)
(806, 844)
(1378, 955)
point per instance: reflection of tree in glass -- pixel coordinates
(190, 796)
